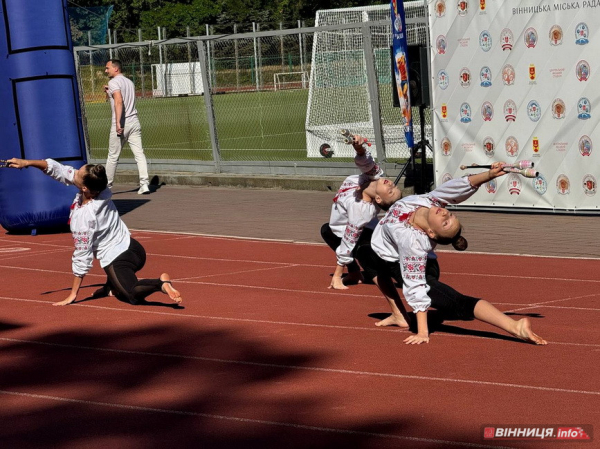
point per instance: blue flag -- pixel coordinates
(400, 55)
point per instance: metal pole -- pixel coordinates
(281, 47)
(115, 42)
(141, 63)
(208, 54)
(259, 64)
(168, 79)
(304, 80)
(373, 91)
(300, 47)
(255, 57)
(109, 43)
(237, 59)
(210, 113)
(159, 46)
(91, 63)
(191, 65)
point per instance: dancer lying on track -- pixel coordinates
(354, 212)
(402, 249)
(99, 231)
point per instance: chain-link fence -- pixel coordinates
(239, 103)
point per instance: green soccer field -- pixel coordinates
(251, 126)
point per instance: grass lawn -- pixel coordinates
(250, 126)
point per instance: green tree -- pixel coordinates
(177, 16)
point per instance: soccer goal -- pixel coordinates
(338, 90)
(290, 80)
(173, 79)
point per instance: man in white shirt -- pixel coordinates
(125, 125)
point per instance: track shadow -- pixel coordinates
(529, 315)
(96, 294)
(68, 289)
(174, 386)
(156, 184)
(120, 192)
(437, 323)
(4, 326)
(125, 206)
(60, 229)
(450, 329)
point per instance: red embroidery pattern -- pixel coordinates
(76, 203)
(351, 234)
(437, 202)
(395, 215)
(345, 189)
(414, 268)
(81, 240)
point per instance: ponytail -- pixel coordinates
(459, 243)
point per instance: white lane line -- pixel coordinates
(285, 323)
(34, 254)
(545, 303)
(208, 317)
(219, 259)
(533, 278)
(248, 420)
(327, 266)
(336, 293)
(286, 290)
(299, 242)
(13, 249)
(33, 243)
(316, 368)
(45, 271)
(229, 273)
(227, 237)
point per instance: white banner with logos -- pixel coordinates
(519, 81)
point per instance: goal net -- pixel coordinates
(290, 80)
(174, 79)
(338, 90)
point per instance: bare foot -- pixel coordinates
(355, 277)
(102, 292)
(525, 333)
(168, 289)
(393, 320)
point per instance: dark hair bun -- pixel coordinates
(98, 171)
(95, 179)
(460, 243)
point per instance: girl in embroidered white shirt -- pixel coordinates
(354, 212)
(99, 231)
(402, 248)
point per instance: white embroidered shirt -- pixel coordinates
(96, 227)
(396, 240)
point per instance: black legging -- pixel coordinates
(334, 242)
(122, 280)
(452, 304)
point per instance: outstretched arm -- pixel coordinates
(24, 163)
(62, 173)
(482, 178)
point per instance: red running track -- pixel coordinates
(263, 355)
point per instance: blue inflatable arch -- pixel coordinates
(40, 113)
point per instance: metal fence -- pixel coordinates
(236, 103)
